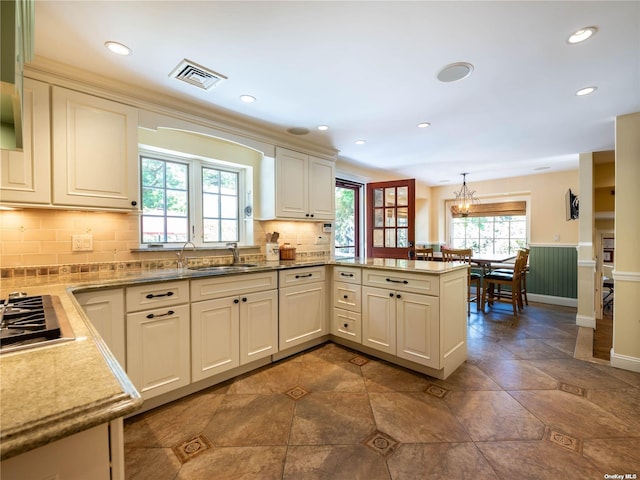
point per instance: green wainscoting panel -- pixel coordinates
(553, 271)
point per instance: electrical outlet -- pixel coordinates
(322, 239)
(81, 243)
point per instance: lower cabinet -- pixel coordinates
(79, 456)
(158, 352)
(401, 323)
(303, 312)
(234, 321)
(105, 309)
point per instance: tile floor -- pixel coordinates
(521, 407)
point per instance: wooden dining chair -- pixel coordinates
(464, 255)
(495, 280)
(523, 275)
(425, 253)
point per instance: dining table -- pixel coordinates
(483, 260)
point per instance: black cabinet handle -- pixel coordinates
(398, 296)
(152, 315)
(307, 215)
(346, 296)
(397, 281)
(304, 276)
(391, 294)
(134, 203)
(168, 294)
(235, 300)
(346, 274)
(346, 325)
(244, 299)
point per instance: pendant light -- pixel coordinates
(465, 199)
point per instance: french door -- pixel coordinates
(391, 219)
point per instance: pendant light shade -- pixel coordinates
(465, 199)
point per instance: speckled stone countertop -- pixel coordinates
(50, 392)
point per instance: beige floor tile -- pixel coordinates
(435, 461)
(416, 417)
(623, 403)
(517, 375)
(150, 464)
(532, 348)
(276, 378)
(468, 377)
(479, 349)
(614, 455)
(491, 416)
(327, 418)
(319, 374)
(579, 373)
(382, 377)
(236, 463)
(245, 420)
(334, 462)
(537, 460)
(573, 415)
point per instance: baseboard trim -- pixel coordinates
(563, 301)
(625, 362)
(584, 321)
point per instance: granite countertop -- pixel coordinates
(50, 392)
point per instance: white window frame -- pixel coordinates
(195, 210)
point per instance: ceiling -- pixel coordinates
(368, 71)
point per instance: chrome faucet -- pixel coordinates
(182, 260)
(235, 250)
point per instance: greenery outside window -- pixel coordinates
(347, 223)
(498, 228)
(190, 199)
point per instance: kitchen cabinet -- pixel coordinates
(305, 186)
(25, 176)
(76, 457)
(105, 309)
(302, 299)
(95, 151)
(234, 321)
(158, 337)
(346, 321)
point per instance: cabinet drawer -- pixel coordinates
(347, 274)
(229, 285)
(157, 295)
(347, 296)
(300, 276)
(406, 282)
(347, 325)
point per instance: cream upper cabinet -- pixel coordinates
(25, 176)
(95, 149)
(305, 186)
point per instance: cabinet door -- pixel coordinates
(214, 337)
(418, 328)
(302, 314)
(158, 350)
(322, 188)
(379, 319)
(347, 296)
(258, 325)
(25, 177)
(95, 151)
(105, 309)
(292, 175)
(80, 456)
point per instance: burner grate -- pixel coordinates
(28, 320)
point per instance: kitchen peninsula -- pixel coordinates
(412, 313)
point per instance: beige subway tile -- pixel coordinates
(42, 235)
(11, 261)
(56, 247)
(9, 248)
(39, 259)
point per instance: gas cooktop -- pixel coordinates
(28, 321)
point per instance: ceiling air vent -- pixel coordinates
(197, 75)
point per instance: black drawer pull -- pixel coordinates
(391, 294)
(152, 315)
(244, 299)
(346, 296)
(398, 296)
(235, 300)
(397, 281)
(303, 276)
(346, 325)
(346, 274)
(168, 294)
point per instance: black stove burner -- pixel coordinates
(28, 319)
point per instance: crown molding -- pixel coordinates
(62, 75)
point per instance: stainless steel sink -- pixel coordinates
(224, 268)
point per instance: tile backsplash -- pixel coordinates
(36, 242)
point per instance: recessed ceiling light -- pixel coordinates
(586, 91)
(323, 127)
(424, 125)
(582, 35)
(360, 142)
(455, 71)
(247, 98)
(118, 48)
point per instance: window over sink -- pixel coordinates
(190, 199)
